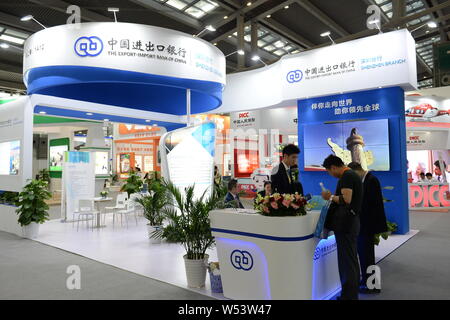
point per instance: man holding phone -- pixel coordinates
(343, 220)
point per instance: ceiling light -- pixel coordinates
(210, 28)
(155, 125)
(12, 39)
(42, 112)
(432, 24)
(113, 9)
(268, 16)
(286, 7)
(249, 4)
(147, 120)
(241, 52)
(325, 34)
(106, 120)
(255, 58)
(26, 18)
(215, 43)
(226, 17)
(4, 45)
(89, 114)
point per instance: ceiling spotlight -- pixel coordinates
(215, 43)
(241, 52)
(249, 4)
(42, 112)
(327, 34)
(226, 17)
(4, 45)
(207, 28)
(30, 17)
(89, 114)
(147, 120)
(286, 7)
(432, 24)
(26, 18)
(258, 58)
(114, 10)
(268, 16)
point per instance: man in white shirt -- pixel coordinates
(440, 171)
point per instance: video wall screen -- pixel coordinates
(366, 142)
(10, 158)
(57, 157)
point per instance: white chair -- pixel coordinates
(86, 211)
(130, 208)
(121, 201)
(138, 208)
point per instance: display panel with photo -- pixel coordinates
(10, 157)
(365, 142)
(101, 163)
(57, 157)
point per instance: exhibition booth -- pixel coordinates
(427, 126)
(158, 93)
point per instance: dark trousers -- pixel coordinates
(366, 253)
(348, 264)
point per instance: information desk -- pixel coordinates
(265, 258)
(428, 195)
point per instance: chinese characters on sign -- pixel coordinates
(415, 140)
(331, 69)
(346, 106)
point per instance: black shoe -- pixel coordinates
(365, 290)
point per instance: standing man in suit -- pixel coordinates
(282, 178)
(232, 196)
(373, 221)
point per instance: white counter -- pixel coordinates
(274, 257)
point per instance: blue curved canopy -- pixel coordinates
(125, 88)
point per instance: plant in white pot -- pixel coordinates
(152, 205)
(189, 225)
(33, 210)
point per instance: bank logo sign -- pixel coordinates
(88, 46)
(294, 76)
(241, 260)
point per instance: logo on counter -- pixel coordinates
(241, 260)
(88, 46)
(294, 76)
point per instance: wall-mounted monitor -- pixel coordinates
(366, 142)
(10, 157)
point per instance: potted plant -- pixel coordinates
(189, 225)
(104, 194)
(133, 184)
(392, 227)
(33, 210)
(44, 175)
(153, 205)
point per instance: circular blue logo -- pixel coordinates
(294, 76)
(88, 46)
(241, 260)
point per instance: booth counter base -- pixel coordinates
(263, 258)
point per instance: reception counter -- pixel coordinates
(264, 258)
(428, 195)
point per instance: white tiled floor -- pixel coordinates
(130, 249)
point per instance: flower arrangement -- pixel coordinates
(281, 205)
(214, 268)
(104, 193)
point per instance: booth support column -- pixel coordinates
(188, 106)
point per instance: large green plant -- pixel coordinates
(392, 227)
(44, 175)
(133, 184)
(189, 222)
(154, 203)
(31, 203)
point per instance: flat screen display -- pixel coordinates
(10, 158)
(365, 142)
(57, 157)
